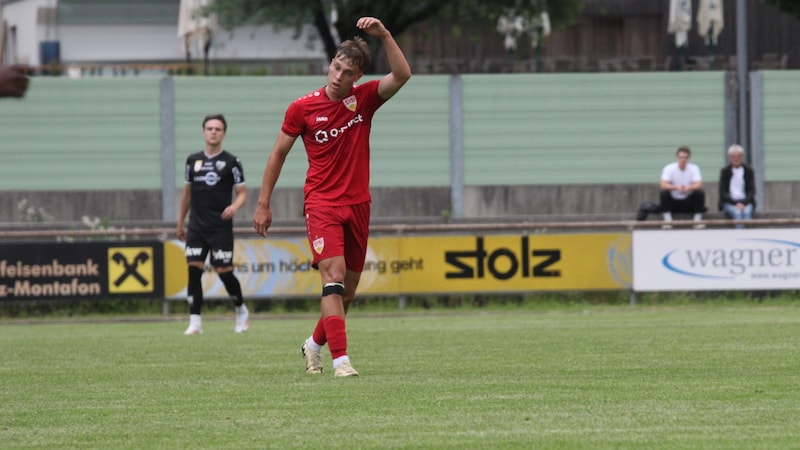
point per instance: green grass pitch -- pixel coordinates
(605, 377)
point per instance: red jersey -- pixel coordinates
(336, 137)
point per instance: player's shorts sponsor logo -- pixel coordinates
(220, 255)
(193, 251)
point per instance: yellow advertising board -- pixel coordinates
(130, 270)
(427, 264)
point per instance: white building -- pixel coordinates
(119, 34)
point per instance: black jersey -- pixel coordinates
(212, 181)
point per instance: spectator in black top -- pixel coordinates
(737, 187)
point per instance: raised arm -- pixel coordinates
(400, 70)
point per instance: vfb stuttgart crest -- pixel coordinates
(319, 245)
(351, 103)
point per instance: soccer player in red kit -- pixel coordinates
(334, 123)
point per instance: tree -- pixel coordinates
(788, 6)
(397, 15)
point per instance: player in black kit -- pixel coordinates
(211, 177)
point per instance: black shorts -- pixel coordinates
(217, 242)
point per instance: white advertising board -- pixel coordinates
(698, 260)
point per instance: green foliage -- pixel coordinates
(397, 15)
(788, 6)
(538, 301)
(722, 377)
(30, 213)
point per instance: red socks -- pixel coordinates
(337, 335)
(319, 334)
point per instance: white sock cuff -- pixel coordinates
(340, 360)
(313, 345)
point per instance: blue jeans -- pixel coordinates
(738, 214)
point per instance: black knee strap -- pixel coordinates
(333, 288)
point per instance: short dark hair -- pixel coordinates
(219, 117)
(684, 149)
(355, 51)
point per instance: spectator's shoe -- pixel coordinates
(242, 322)
(666, 227)
(193, 329)
(345, 370)
(699, 226)
(313, 359)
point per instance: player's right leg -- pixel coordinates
(196, 252)
(194, 291)
(312, 349)
(325, 238)
(332, 309)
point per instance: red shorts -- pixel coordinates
(339, 231)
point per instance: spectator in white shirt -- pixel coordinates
(682, 188)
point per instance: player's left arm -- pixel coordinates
(238, 201)
(400, 70)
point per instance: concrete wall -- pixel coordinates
(395, 205)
